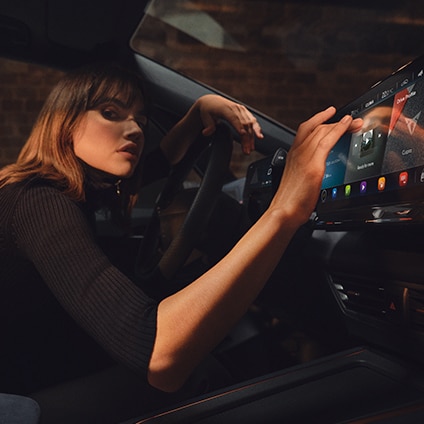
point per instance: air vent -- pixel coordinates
(361, 295)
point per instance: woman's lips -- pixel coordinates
(129, 150)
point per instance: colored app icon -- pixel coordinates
(348, 190)
(334, 193)
(381, 183)
(363, 187)
(403, 179)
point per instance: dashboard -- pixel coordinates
(354, 271)
(367, 230)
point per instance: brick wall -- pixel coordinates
(23, 89)
(308, 55)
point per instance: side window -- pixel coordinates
(287, 59)
(23, 89)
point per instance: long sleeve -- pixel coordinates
(53, 233)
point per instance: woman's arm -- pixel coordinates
(202, 118)
(192, 321)
(54, 234)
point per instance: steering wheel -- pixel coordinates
(152, 264)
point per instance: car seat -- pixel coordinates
(16, 409)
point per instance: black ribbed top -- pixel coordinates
(46, 237)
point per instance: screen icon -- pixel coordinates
(381, 183)
(403, 179)
(334, 193)
(323, 196)
(363, 187)
(411, 123)
(348, 190)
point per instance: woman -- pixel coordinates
(84, 154)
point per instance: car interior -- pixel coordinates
(337, 334)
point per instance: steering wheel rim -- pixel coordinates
(148, 264)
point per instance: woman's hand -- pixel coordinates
(202, 118)
(305, 166)
(214, 108)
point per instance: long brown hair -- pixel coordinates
(48, 152)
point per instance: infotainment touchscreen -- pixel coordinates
(377, 174)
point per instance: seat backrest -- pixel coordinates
(16, 409)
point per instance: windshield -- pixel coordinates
(287, 59)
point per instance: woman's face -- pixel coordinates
(110, 138)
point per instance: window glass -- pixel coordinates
(23, 90)
(287, 59)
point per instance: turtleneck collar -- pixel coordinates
(101, 188)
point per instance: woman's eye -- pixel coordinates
(142, 122)
(110, 114)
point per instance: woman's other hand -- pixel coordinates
(214, 108)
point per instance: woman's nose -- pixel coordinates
(133, 129)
